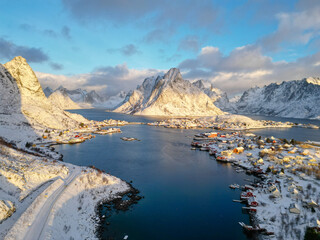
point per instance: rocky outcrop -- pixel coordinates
(48, 91)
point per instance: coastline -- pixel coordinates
(281, 167)
(88, 186)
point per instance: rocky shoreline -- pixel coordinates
(119, 202)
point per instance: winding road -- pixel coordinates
(36, 229)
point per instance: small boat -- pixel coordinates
(224, 159)
(76, 140)
(204, 149)
(212, 151)
(129, 139)
(251, 228)
(234, 186)
(239, 201)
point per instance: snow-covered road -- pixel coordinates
(36, 229)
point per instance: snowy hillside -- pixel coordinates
(296, 99)
(168, 95)
(82, 97)
(62, 101)
(218, 97)
(23, 105)
(113, 101)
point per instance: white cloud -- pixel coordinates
(105, 80)
(294, 28)
(246, 67)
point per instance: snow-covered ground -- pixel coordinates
(227, 122)
(290, 173)
(40, 196)
(62, 101)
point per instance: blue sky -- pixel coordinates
(112, 45)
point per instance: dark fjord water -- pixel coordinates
(186, 192)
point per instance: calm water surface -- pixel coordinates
(186, 192)
(300, 134)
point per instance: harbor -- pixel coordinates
(286, 188)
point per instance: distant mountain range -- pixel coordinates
(168, 95)
(295, 99)
(171, 95)
(80, 96)
(84, 99)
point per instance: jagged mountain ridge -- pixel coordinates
(48, 91)
(296, 99)
(168, 95)
(218, 97)
(23, 101)
(81, 96)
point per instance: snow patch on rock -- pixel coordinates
(295, 99)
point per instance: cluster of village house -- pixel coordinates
(83, 132)
(188, 123)
(285, 200)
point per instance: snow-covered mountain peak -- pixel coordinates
(202, 84)
(173, 75)
(313, 80)
(24, 76)
(24, 102)
(297, 99)
(168, 95)
(122, 94)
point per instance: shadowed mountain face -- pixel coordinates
(297, 99)
(48, 91)
(13, 124)
(24, 105)
(168, 95)
(9, 102)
